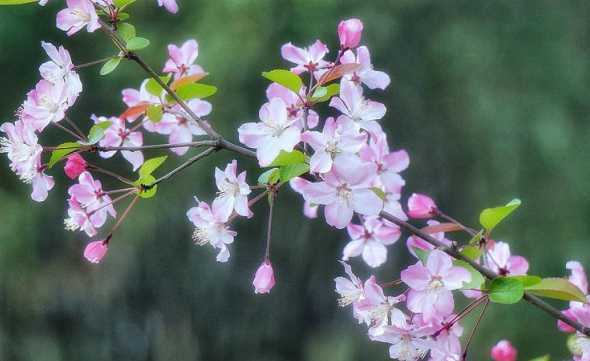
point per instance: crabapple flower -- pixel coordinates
(88, 192)
(210, 227)
(579, 279)
(349, 289)
(264, 279)
(96, 251)
(389, 164)
(233, 191)
(353, 105)
(88, 219)
(78, 14)
(276, 132)
(421, 206)
(431, 285)
(407, 340)
(295, 107)
(170, 5)
(415, 242)
(503, 351)
(307, 59)
(350, 32)
(61, 69)
(45, 104)
(365, 73)
(75, 165)
(182, 59)
(346, 189)
(499, 260)
(446, 348)
(117, 135)
(337, 137)
(375, 309)
(370, 239)
(310, 210)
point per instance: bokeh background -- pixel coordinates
(490, 98)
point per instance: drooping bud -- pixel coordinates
(95, 251)
(75, 166)
(350, 32)
(504, 351)
(264, 279)
(421, 206)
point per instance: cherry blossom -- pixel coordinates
(346, 189)
(233, 191)
(210, 227)
(337, 137)
(370, 239)
(503, 351)
(78, 14)
(350, 32)
(275, 133)
(117, 135)
(353, 105)
(365, 73)
(431, 285)
(307, 59)
(182, 59)
(264, 279)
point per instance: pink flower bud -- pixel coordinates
(564, 327)
(95, 251)
(504, 351)
(421, 206)
(75, 166)
(264, 280)
(349, 32)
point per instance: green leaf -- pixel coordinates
(471, 252)
(155, 113)
(194, 90)
(121, 16)
(271, 176)
(137, 43)
(506, 290)
(126, 31)
(542, 358)
(146, 192)
(324, 93)
(557, 288)
(122, 4)
(285, 78)
(291, 171)
(474, 241)
(150, 166)
(62, 151)
(491, 217)
(97, 131)
(154, 88)
(421, 254)
(476, 278)
(16, 2)
(110, 66)
(527, 281)
(287, 158)
(379, 192)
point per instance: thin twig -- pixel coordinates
(181, 167)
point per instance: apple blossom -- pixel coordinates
(350, 32)
(117, 135)
(264, 279)
(421, 206)
(307, 59)
(298, 184)
(182, 59)
(75, 165)
(45, 104)
(365, 73)
(61, 70)
(96, 251)
(233, 191)
(295, 107)
(370, 239)
(210, 227)
(503, 351)
(78, 14)
(499, 260)
(353, 105)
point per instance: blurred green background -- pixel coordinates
(490, 98)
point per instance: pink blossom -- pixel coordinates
(182, 59)
(446, 348)
(264, 279)
(60, 69)
(365, 73)
(350, 289)
(503, 351)
(431, 285)
(353, 105)
(210, 228)
(337, 137)
(298, 184)
(275, 133)
(89, 193)
(408, 340)
(415, 242)
(179, 126)
(421, 206)
(117, 135)
(370, 239)
(45, 104)
(350, 32)
(78, 14)
(307, 59)
(96, 251)
(499, 260)
(75, 165)
(295, 106)
(88, 219)
(233, 191)
(375, 309)
(170, 5)
(344, 190)
(389, 164)
(579, 279)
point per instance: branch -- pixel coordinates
(183, 166)
(489, 274)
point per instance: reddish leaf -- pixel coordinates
(442, 227)
(134, 111)
(337, 72)
(187, 80)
